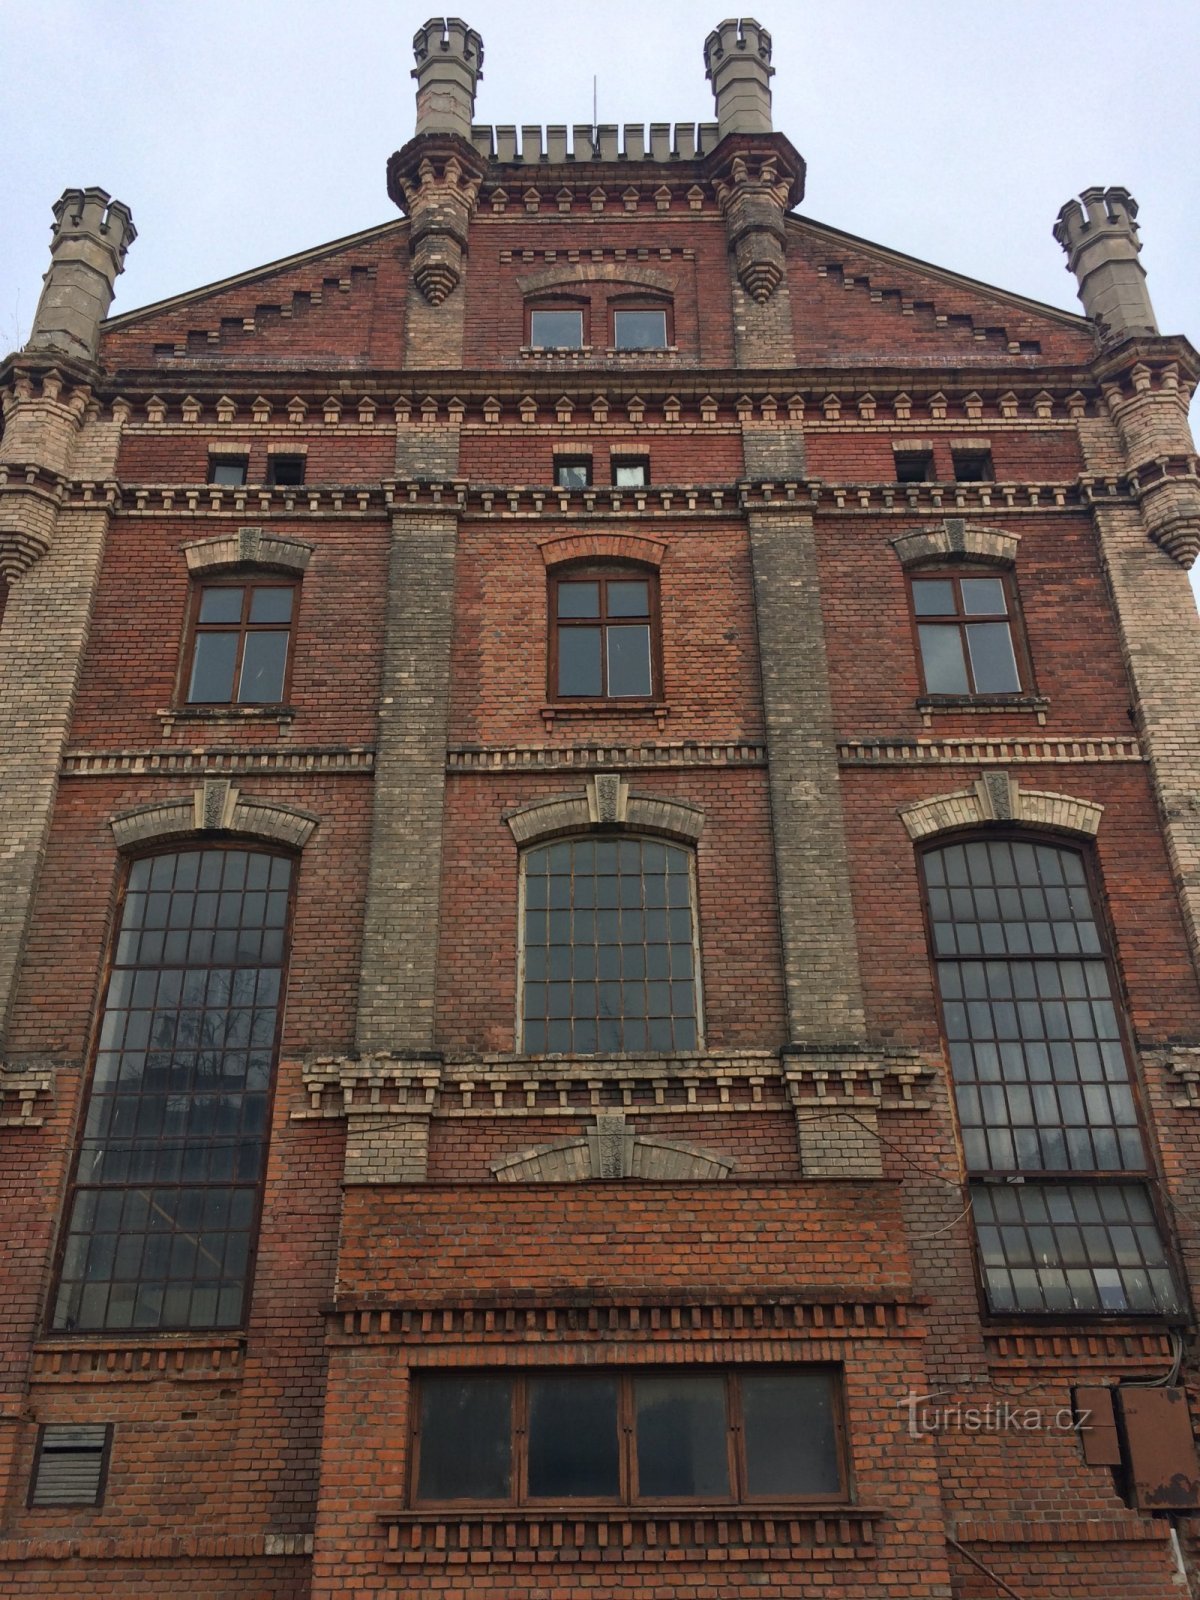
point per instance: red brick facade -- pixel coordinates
(791, 1189)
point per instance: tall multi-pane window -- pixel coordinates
(609, 947)
(1042, 1082)
(163, 1210)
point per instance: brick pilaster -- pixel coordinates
(824, 992)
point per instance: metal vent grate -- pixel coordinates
(70, 1466)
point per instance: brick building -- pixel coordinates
(697, 713)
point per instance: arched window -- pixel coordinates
(609, 947)
(1042, 1082)
(164, 1205)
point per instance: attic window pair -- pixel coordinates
(575, 472)
(631, 328)
(970, 466)
(231, 471)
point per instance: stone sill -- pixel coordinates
(594, 709)
(589, 1533)
(100, 1358)
(982, 705)
(225, 716)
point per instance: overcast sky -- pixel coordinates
(240, 131)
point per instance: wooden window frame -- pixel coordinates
(960, 458)
(581, 459)
(604, 573)
(562, 303)
(627, 1495)
(642, 461)
(222, 460)
(642, 302)
(273, 463)
(955, 572)
(258, 578)
(176, 847)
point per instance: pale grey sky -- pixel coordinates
(239, 131)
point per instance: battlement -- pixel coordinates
(449, 37)
(93, 214)
(532, 145)
(1107, 210)
(736, 34)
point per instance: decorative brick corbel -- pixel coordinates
(435, 180)
(757, 179)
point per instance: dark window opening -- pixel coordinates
(229, 471)
(915, 466)
(285, 471)
(965, 633)
(556, 330)
(972, 466)
(71, 1464)
(604, 628)
(164, 1203)
(239, 643)
(624, 1438)
(1042, 1084)
(631, 473)
(609, 948)
(573, 472)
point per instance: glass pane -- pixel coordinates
(561, 330)
(572, 475)
(213, 661)
(262, 668)
(993, 664)
(579, 599)
(628, 598)
(790, 1433)
(270, 605)
(466, 1439)
(220, 605)
(579, 661)
(228, 472)
(942, 657)
(629, 660)
(573, 1438)
(933, 597)
(629, 474)
(682, 1437)
(983, 597)
(640, 330)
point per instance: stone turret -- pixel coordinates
(737, 62)
(92, 232)
(1100, 238)
(435, 177)
(449, 65)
